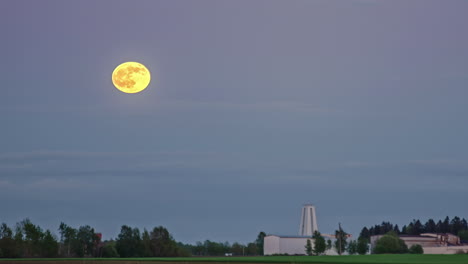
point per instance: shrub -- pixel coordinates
(362, 246)
(416, 249)
(463, 234)
(109, 251)
(390, 243)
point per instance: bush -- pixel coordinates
(109, 251)
(463, 234)
(352, 247)
(390, 243)
(183, 252)
(362, 246)
(416, 249)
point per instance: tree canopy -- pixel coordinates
(28, 240)
(319, 243)
(417, 227)
(390, 243)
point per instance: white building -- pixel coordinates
(291, 245)
(295, 245)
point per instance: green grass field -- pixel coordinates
(377, 259)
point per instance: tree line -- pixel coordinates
(456, 226)
(353, 247)
(391, 243)
(211, 248)
(28, 240)
(341, 244)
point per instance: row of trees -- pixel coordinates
(456, 226)
(387, 244)
(79, 242)
(341, 244)
(157, 243)
(211, 248)
(27, 240)
(360, 246)
(391, 243)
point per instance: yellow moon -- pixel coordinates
(131, 77)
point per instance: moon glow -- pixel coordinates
(131, 77)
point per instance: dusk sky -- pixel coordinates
(254, 108)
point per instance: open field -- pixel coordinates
(377, 259)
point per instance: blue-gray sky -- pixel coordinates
(255, 107)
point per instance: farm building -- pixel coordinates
(431, 243)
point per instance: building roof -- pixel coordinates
(283, 236)
(425, 235)
(416, 236)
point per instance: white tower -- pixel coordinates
(308, 221)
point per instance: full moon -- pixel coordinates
(131, 77)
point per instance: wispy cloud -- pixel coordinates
(293, 106)
(287, 106)
(74, 168)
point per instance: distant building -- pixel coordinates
(431, 243)
(308, 221)
(291, 245)
(295, 245)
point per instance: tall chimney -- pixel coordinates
(308, 221)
